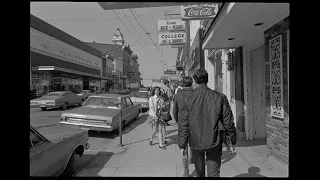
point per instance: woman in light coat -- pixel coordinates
(156, 103)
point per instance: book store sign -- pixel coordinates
(199, 11)
(171, 25)
(172, 38)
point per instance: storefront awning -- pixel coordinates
(55, 68)
(235, 26)
(129, 5)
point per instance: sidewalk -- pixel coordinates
(137, 158)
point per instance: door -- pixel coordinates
(131, 109)
(44, 156)
(125, 115)
(72, 98)
(258, 93)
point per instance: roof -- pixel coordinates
(110, 95)
(111, 49)
(47, 28)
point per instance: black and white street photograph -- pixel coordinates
(159, 89)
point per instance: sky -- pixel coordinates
(88, 22)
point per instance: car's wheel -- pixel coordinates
(81, 103)
(64, 106)
(137, 116)
(71, 166)
(43, 108)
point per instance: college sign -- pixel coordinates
(199, 11)
(172, 38)
(171, 25)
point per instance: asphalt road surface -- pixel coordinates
(98, 140)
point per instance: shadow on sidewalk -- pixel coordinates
(252, 172)
(133, 124)
(173, 140)
(249, 143)
(226, 156)
(94, 164)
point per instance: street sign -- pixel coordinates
(172, 38)
(199, 11)
(171, 25)
(169, 72)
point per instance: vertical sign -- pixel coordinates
(276, 84)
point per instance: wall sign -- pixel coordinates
(45, 43)
(171, 25)
(199, 11)
(276, 84)
(172, 38)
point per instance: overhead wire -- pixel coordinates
(134, 36)
(144, 29)
(104, 19)
(135, 30)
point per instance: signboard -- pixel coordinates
(170, 72)
(41, 42)
(171, 25)
(172, 38)
(199, 11)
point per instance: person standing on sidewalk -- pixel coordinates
(206, 115)
(179, 99)
(155, 105)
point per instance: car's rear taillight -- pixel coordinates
(63, 118)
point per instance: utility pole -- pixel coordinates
(186, 46)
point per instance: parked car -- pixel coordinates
(55, 149)
(141, 97)
(58, 99)
(143, 90)
(101, 112)
(85, 94)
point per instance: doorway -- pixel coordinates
(258, 92)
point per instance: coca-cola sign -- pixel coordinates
(199, 11)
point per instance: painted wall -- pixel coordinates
(277, 128)
(40, 41)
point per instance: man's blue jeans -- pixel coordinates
(213, 161)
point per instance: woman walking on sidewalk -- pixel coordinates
(156, 104)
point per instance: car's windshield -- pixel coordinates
(85, 92)
(53, 94)
(139, 94)
(102, 102)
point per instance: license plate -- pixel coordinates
(85, 127)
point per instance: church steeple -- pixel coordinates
(118, 38)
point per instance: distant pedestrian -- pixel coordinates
(178, 102)
(156, 103)
(206, 116)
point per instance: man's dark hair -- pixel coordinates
(200, 76)
(187, 81)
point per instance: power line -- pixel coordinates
(133, 36)
(135, 29)
(104, 19)
(144, 28)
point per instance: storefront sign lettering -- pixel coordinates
(42, 42)
(171, 25)
(199, 11)
(172, 38)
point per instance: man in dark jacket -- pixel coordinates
(206, 114)
(179, 99)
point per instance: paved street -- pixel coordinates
(98, 140)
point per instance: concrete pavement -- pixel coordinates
(137, 158)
